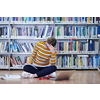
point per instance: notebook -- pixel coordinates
(64, 75)
(7, 76)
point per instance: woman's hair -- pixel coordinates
(52, 41)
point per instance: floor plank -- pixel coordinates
(79, 77)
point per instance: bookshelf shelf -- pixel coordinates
(4, 67)
(58, 53)
(93, 38)
(4, 38)
(6, 23)
(17, 67)
(76, 38)
(57, 68)
(21, 53)
(76, 23)
(34, 23)
(76, 53)
(21, 38)
(83, 30)
(4, 53)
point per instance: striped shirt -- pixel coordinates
(42, 56)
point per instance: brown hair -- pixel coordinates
(52, 41)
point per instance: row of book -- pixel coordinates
(26, 19)
(79, 61)
(68, 46)
(4, 19)
(52, 19)
(35, 31)
(15, 61)
(60, 32)
(4, 60)
(47, 31)
(21, 47)
(77, 46)
(3, 32)
(77, 20)
(4, 47)
(76, 32)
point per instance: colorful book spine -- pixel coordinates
(79, 61)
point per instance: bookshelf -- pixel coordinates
(75, 38)
(4, 45)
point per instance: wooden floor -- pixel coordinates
(79, 77)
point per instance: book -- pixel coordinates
(45, 32)
(1, 31)
(98, 30)
(8, 76)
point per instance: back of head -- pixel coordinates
(52, 41)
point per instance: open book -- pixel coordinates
(7, 76)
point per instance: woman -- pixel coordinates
(42, 60)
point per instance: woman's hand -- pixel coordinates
(52, 49)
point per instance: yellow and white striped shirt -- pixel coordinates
(42, 56)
